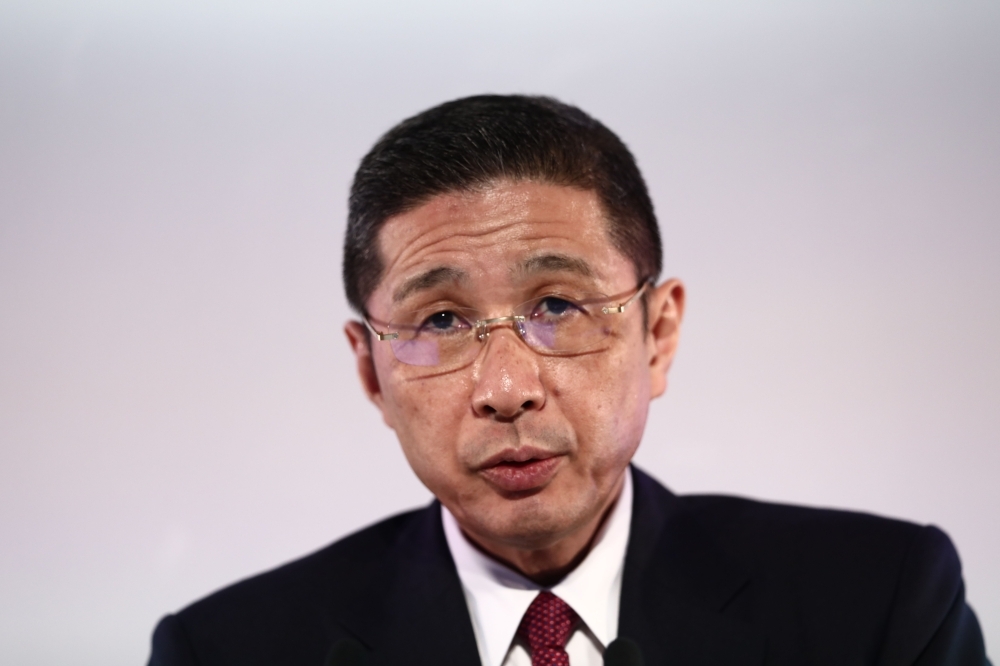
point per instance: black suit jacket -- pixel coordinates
(708, 580)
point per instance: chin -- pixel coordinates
(532, 526)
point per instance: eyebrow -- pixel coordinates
(428, 280)
(552, 263)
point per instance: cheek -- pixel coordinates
(610, 415)
(426, 415)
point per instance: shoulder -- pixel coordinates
(295, 605)
(330, 573)
(753, 527)
(824, 580)
(756, 532)
(829, 555)
(888, 587)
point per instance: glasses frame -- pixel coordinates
(482, 327)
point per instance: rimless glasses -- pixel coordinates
(551, 325)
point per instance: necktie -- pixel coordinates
(546, 627)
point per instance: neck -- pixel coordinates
(548, 565)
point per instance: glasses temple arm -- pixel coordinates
(616, 309)
(382, 337)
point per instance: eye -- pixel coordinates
(444, 322)
(553, 306)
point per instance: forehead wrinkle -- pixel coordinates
(422, 242)
(428, 280)
(421, 248)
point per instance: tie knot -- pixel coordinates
(546, 627)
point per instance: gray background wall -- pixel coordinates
(177, 404)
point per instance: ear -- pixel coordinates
(666, 309)
(357, 338)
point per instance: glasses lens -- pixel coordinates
(416, 352)
(557, 325)
(430, 338)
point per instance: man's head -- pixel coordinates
(482, 209)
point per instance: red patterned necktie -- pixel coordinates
(546, 627)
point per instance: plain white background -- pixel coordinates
(178, 408)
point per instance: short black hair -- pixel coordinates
(474, 141)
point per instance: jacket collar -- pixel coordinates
(678, 585)
(414, 612)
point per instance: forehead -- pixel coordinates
(499, 236)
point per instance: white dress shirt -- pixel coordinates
(498, 597)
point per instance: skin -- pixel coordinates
(527, 451)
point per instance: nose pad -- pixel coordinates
(484, 326)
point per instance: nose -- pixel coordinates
(507, 378)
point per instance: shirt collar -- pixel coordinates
(498, 596)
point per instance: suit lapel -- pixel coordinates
(415, 613)
(677, 586)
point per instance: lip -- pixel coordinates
(520, 470)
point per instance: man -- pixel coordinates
(503, 255)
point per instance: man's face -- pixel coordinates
(524, 449)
